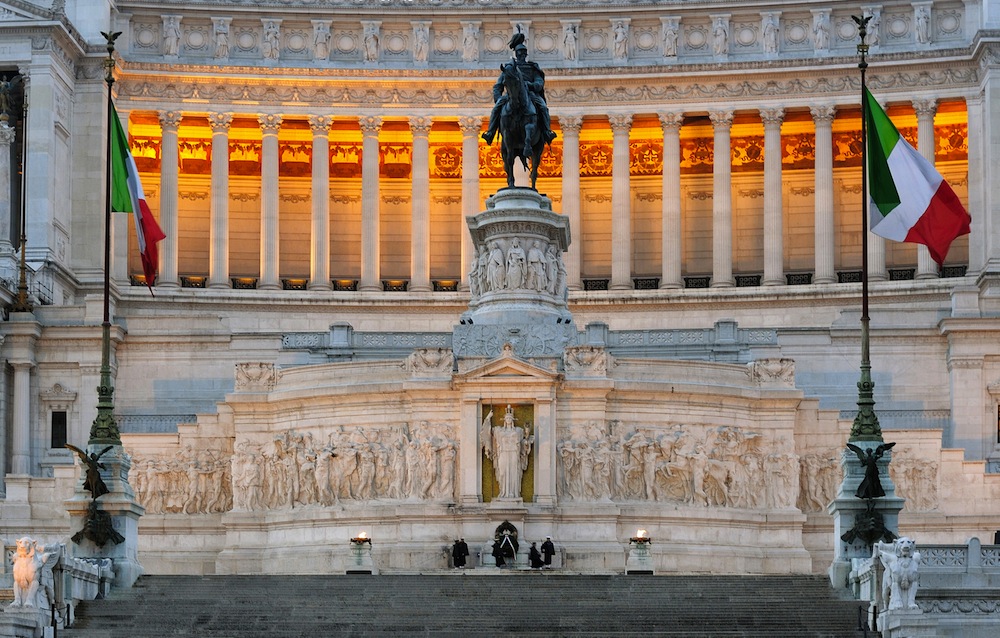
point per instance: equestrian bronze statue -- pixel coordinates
(520, 112)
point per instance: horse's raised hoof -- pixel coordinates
(550, 136)
(488, 137)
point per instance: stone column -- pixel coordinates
(319, 253)
(671, 245)
(370, 255)
(269, 227)
(925, 110)
(6, 210)
(420, 227)
(722, 201)
(621, 204)
(823, 198)
(470, 188)
(218, 251)
(20, 461)
(169, 169)
(570, 126)
(774, 252)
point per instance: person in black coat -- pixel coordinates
(534, 558)
(458, 553)
(498, 554)
(548, 550)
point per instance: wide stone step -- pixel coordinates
(470, 603)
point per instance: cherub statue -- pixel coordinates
(93, 482)
(28, 559)
(871, 486)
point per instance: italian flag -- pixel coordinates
(127, 197)
(910, 201)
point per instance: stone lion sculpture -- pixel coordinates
(28, 558)
(900, 579)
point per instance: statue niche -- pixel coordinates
(508, 452)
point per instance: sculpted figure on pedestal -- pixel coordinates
(570, 43)
(720, 37)
(537, 278)
(221, 40)
(421, 41)
(517, 268)
(28, 560)
(900, 579)
(620, 41)
(321, 42)
(272, 46)
(497, 268)
(520, 112)
(923, 24)
(171, 37)
(821, 31)
(670, 39)
(470, 42)
(371, 41)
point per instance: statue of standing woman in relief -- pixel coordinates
(508, 446)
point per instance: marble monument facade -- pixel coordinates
(327, 334)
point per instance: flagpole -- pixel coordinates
(866, 426)
(104, 430)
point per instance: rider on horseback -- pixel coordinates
(534, 78)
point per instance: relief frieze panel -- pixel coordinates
(681, 463)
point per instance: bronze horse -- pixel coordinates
(520, 130)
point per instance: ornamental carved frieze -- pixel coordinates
(244, 158)
(345, 160)
(256, 376)
(146, 151)
(195, 156)
(395, 160)
(798, 151)
(446, 160)
(952, 142)
(295, 159)
(747, 154)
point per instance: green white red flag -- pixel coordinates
(127, 197)
(910, 201)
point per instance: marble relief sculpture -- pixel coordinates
(539, 269)
(171, 36)
(821, 31)
(272, 46)
(321, 41)
(670, 29)
(371, 42)
(470, 42)
(770, 34)
(923, 24)
(421, 42)
(508, 446)
(570, 39)
(720, 37)
(696, 465)
(221, 35)
(295, 470)
(620, 41)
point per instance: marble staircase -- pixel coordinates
(473, 603)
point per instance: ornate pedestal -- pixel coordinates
(640, 556)
(124, 511)
(847, 508)
(517, 279)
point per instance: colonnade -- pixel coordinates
(570, 126)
